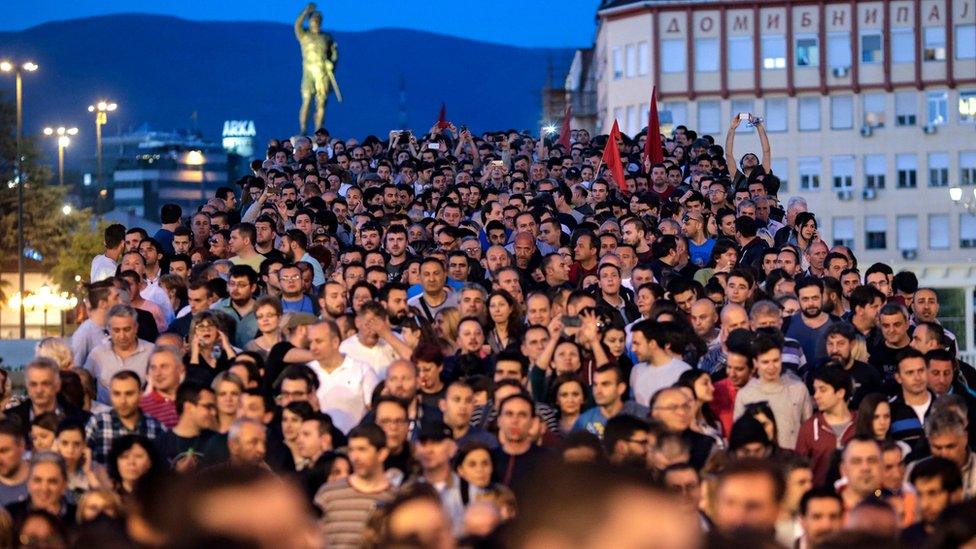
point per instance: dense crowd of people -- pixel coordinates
(487, 341)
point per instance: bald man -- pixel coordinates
(733, 317)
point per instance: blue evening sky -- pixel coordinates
(538, 23)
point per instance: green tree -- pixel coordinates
(47, 230)
(85, 243)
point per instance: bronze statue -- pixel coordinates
(319, 55)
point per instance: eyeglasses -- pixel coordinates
(390, 422)
(674, 407)
(290, 277)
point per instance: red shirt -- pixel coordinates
(160, 408)
(577, 273)
(723, 403)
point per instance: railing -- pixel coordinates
(968, 357)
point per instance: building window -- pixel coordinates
(875, 168)
(871, 51)
(937, 107)
(839, 50)
(842, 172)
(746, 106)
(938, 232)
(633, 120)
(967, 168)
(709, 117)
(965, 45)
(781, 168)
(967, 106)
(841, 112)
(706, 54)
(907, 232)
(938, 169)
(807, 51)
(906, 168)
(774, 52)
(678, 110)
(875, 232)
(903, 45)
(843, 231)
(631, 54)
(643, 58)
(809, 113)
(775, 119)
(934, 48)
(906, 108)
(809, 168)
(673, 56)
(740, 53)
(618, 63)
(874, 110)
(967, 231)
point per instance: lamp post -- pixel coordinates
(101, 110)
(956, 195)
(18, 69)
(64, 140)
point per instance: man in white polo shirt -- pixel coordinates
(345, 384)
(374, 342)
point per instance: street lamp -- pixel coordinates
(64, 140)
(956, 194)
(18, 69)
(101, 110)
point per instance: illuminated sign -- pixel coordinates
(239, 128)
(238, 137)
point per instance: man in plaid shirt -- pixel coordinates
(125, 418)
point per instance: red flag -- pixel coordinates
(653, 148)
(442, 118)
(611, 158)
(564, 131)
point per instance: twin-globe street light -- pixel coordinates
(101, 110)
(18, 69)
(64, 140)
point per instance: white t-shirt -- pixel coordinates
(378, 356)
(645, 380)
(921, 409)
(345, 393)
(102, 267)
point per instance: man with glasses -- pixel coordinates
(241, 305)
(293, 298)
(673, 409)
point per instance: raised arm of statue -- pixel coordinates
(300, 22)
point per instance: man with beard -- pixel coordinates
(626, 439)
(436, 294)
(393, 296)
(395, 243)
(240, 305)
(264, 243)
(608, 392)
(810, 325)
(332, 300)
(374, 343)
(865, 379)
(294, 244)
(633, 232)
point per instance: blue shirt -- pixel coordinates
(700, 254)
(595, 422)
(318, 276)
(303, 305)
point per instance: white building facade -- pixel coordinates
(870, 109)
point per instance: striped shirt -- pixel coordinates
(345, 511)
(161, 408)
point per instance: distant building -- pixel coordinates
(150, 168)
(870, 107)
(238, 137)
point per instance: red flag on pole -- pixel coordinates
(442, 117)
(653, 148)
(564, 131)
(611, 158)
